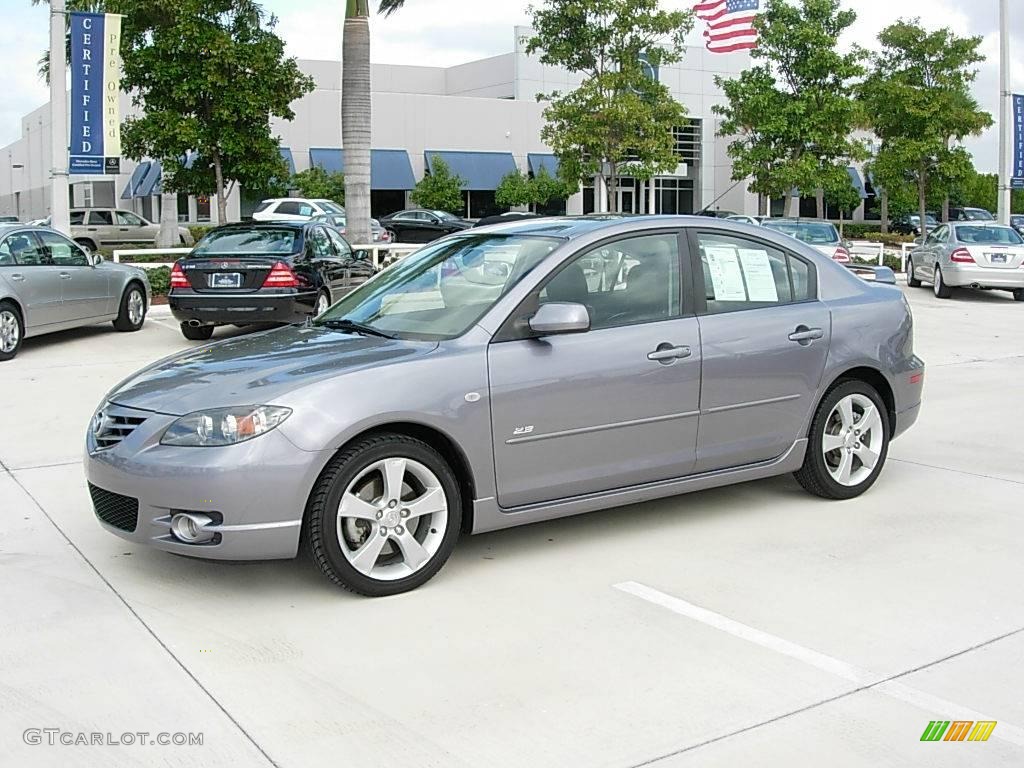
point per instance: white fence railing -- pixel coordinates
(878, 251)
(392, 253)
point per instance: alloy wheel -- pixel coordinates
(392, 519)
(10, 331)
(322, 304)
(853, 440)
(136, 306)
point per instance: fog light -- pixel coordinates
(190, 528)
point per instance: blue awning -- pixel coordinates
(137, 176)
(537, 161)
(149, 182)
(479, 170)
(286, 153)
(389, 168)
(857, 181)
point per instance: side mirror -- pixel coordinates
(919, 240)
(97, 259)
(558, 317)
(361, 255)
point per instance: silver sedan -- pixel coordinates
(972, 254)
(48, 283)
(506, 375)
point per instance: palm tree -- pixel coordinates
(356, 112)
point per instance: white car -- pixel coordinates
(294, 209)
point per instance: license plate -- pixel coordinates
(225, 280)
(997, 258)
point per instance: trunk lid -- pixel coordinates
(227, 273)
(997, 256)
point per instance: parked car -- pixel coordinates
(505, 218)
(48, 283)
(95, 228)
(970, 214)
(910, 224)
(506, 376)
(754, 221)
(294, 209)
(340, 223)
(8, 219)
(418, 225)
(969, 254)
(820, 235)
(1017, 222)
(263, 273)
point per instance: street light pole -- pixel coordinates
(59, 203)
(1006, 138)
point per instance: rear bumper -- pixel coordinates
(986, 277)
(242, 308)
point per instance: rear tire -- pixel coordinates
(12, 330)
(404, 515)
(858, 439)
(942, 291)
(133, 309)
(1018, 294)
(194, 333)
(323, 303)
(912, 282)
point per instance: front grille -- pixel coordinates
(114, 509)
(114, 428)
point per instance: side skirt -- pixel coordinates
(489, 516)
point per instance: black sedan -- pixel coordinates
(910, 224)
(263, 273)
(418, 225)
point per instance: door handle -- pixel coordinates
(65, 275)
(666, 353)
(804, 334)
(17, 276)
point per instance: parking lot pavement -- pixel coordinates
(751, 625)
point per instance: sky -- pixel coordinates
(441, 33)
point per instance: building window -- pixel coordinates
(480, 203)
(673, 196)
(688, 142)
(203, 208)
(182, 206)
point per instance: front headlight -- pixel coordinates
(224, 426)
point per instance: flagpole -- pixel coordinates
(60, 214)
(1006, 137)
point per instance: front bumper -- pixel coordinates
(960, 275)
(257, 488)
(242, 308)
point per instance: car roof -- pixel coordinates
(572, 227)
(297, 225)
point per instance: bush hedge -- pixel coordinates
(160, 280)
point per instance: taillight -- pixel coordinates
(841, 255)
(962, 256)
(281, 276)
(178, 279)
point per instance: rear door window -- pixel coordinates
(101, 219)
(341, 246)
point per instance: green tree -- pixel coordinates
(440, 189)
(318, 184)
(544, 188)
(619, 120)
(208, 76)
(917, 96)
(514, 189)
(791, 115)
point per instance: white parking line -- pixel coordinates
(933, 705)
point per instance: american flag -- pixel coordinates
(730, 24)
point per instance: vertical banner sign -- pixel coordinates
(1018, 141)
(95, 146)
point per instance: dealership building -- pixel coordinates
(482, 118)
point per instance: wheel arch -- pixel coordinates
(444, 445)
(876, 379)
(93, 245)
(135, 281)
(17, 306)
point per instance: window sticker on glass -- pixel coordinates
(726, 275)
(757, 269)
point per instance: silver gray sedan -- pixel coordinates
(48, 283)
(507, 375)
(973, 254)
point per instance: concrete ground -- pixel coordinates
(751, 625)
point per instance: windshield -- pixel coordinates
(329, 206)
(812, 233)
(440, 291)
(273, 241)
(988, 236)
(977, 214)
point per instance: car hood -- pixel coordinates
(257, 369)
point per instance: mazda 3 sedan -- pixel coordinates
(508, 375)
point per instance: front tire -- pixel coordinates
(849, 442)
(942, 291)
(912, 281)
(384, 516)
(323, 303)
(1018, 294)
(12, 330)
(133, 310)
(87, 244)
(196, 333)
